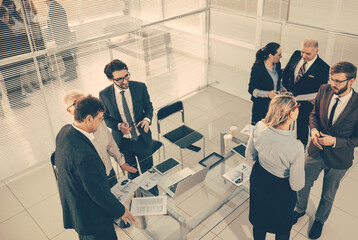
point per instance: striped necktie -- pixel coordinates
(301, 72)
(129, 117)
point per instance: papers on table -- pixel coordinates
(149, 206)
(242, 171)
(247, 129)
(147, 180)
(124, 189)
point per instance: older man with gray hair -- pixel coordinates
(303, 76)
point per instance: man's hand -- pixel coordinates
(124, 127)
(144, 124)
(128, 216)
(326, 140)
(125, 167)
(272, 94)
(314, 136)
(283, 89)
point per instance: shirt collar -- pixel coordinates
(282, 132)
(309, 63)
(345, 98)
(90, 136)
(118, 91)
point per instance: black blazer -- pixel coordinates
(345, 129)
(142, 107)
(260, 79)
(87, 201)
(311, 81)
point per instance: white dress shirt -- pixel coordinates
(106, 146)
(278, 152)
(308, 65)
(341, 105)
(128, 96)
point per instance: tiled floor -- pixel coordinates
(30, 207)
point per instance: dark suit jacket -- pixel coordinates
(59, 24)
(311, 81)
(87, 202)
(345, 129)
(260, 79)
(142, 107)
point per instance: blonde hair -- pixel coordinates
(72, 95)
(279, 109)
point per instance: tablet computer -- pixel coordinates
(167, 165)
(211, 160)
(240, 150)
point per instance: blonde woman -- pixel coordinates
(278, 171)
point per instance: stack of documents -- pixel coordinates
(149, 206)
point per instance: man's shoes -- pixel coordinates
(65, 74)
(296, 216)
(316, 230)
(122, 224)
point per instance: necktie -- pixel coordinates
(332, 113)
(301, 72)
(129, 117)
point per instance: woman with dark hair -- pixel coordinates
(278, 171)
(265, 79)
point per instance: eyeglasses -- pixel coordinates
(73, 104)
(127, 76)
(338, 81)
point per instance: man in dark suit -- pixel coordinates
(88, 205)
(303, 76)
(129, 112)
(334, 134)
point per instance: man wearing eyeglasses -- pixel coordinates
(303, 76)
(334, 134)
(88, 206)
(129, 112)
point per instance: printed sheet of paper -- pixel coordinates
(243, 170)
(124, 189)
(247, 129)
(149, 206)
(147, 180)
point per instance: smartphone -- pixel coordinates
(240, 150)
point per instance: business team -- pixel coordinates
(332, 113)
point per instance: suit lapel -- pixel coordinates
(133, 95)
(113, 101)
(294, 66)
(348, 108)
(326, 102)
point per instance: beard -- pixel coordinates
(339, 91)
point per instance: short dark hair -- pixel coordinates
(344, 67)
(88, 105)
(114, 65)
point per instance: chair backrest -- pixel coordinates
(170, 109)
(52, 159)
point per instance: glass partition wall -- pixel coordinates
(239, 28)
(176, 47)
(66, 44)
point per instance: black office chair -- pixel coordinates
(155, 146)
(55, 171)
(182, 136)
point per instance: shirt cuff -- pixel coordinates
(119, 126)
(147, 119)
(334, 144)
(260, 93)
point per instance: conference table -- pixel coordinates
(205, 206)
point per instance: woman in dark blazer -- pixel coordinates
(265, 79)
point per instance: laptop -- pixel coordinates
(182, 181)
